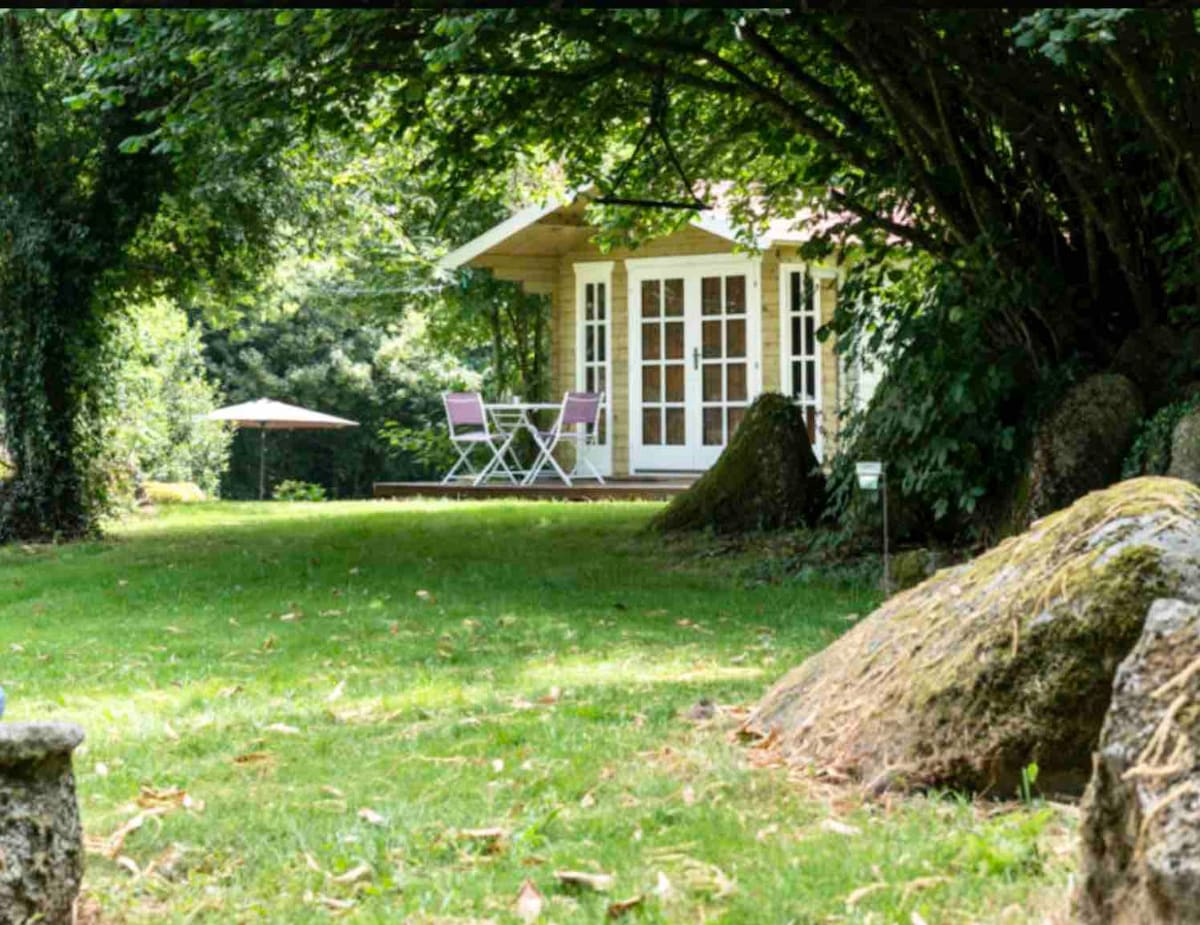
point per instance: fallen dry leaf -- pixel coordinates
(577, 878)
(662, 887)
(354, 875)
(529, 902)
(621, 906)
(129, 864)
(857, 896)
(337, 692)
(553, 697)
(493, 833)
(368, 815)
(688, 795)
(291, 616)
(251, 758)
(311, 863)
(330, 903)
(283, 729)
(587, 801)
(170, 731)
(332, 791)
(839, 828)
(228, 692)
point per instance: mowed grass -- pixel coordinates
(348, 691)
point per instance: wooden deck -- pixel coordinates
(583, 490)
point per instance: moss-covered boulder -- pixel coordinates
(766, 479)
(965, 679)
(1185, 448)
(1141, 815)
(1081, 444)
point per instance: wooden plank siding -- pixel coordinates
(554, 275)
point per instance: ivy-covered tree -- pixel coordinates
(95, 215)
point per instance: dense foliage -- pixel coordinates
(153, 404)
(373, 373)
(158, 149)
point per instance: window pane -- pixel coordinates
(674, 345)
(651, 348)
(735, 419)
(601, 300)
(811, 419)
(795, 292)
(651, 383)
(674, 373)
(601, 380)
(736, 389)
(650, 298)
(600, 345)
(651, 427)
(797, 379)
(735, 295)
(710, 295)
(712, 427)
(589, 379)
(810, 379)
(797, 341)
(810, 336)
(809, 302)
(676, 428)
(712, 382)
(674, 298)
(710, 339)
(735, 338)
(589, 343)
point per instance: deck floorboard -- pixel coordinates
(613, 490)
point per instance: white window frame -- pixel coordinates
(786, 385)
(596, 272)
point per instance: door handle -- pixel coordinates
(695, 358)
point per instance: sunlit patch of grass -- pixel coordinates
(345, 689)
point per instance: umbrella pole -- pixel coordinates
(262, 463)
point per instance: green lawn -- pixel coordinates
(346, 690)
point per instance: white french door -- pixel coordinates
(694, 357)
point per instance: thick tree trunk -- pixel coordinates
(47, 497)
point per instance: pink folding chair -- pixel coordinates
(578, 422)
(469, 429)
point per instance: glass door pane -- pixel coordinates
(724, 374)
(663, 338)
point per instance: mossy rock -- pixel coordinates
(965, 679)
(1185, 448)
(1081, 444)
(1140, 819)
(766, 479)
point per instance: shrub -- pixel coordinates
(295, 490)
(172, 492)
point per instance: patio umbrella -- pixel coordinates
(267, 414)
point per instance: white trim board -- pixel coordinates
(714, 221)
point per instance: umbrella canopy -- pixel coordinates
(268, 414)
(276, 415)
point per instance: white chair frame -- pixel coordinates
(476, 435)
(582, 435)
